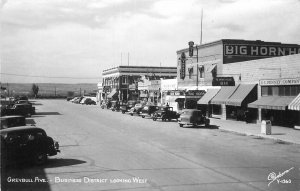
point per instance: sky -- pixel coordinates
(73, 41)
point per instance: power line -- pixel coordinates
(64, 77)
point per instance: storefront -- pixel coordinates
(274, 98)
(204, 104)
(154, 92)
(236, 104)
(295, 107)
(219, 101)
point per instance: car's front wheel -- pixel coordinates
(40, 158)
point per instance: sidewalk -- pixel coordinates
(285, 134)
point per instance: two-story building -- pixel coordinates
(121, 82)
(218, 68)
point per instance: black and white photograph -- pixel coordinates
(150, 95)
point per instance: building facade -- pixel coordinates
(121, 83)
(230, 72)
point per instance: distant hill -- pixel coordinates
(49, 89)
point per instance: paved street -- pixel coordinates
(105, 150)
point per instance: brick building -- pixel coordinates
(225, 69)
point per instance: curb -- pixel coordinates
(277, 140)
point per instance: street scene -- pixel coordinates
(159, 95)
(101, 149)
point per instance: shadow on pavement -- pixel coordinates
(46, 113)
(202, 127)
(53, 163)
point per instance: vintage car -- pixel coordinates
(26, 144)
(165, 113)
(12, 121)
(20, 109)
(115, 105)
(89, 101)
(126, 107)
(193, 117)
(136, 109)
(148, 110)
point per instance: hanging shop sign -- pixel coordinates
(182, 65)
(223, 81)
(276, 82)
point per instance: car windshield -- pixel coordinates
(187, 112)
(162, 108)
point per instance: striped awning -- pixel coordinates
(272, 102)
(295, 104)
(208, 96)
(238, 98)
(112, 94)
(223, 95)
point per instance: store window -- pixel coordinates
(264, 91)
(201, 71)
(280, 90)
(124, 80)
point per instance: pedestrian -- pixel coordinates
(246, 114)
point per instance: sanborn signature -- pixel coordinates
(273, 177)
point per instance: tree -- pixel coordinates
(35, 90)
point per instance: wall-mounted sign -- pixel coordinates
(278, 82)
(195, 93)
(175, 92)
(132, 87)
(243, 52)
(259, 50)
(223, 81)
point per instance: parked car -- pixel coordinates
(136, 109)
(78, 100)
(193, 117)
(12, 121)
(165, 113)
(70, 98)
(148, 110)
(26, 144)
(89, 101)
(126, 107)
(20, 109)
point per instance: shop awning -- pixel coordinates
(272, 102)
(210, 68)
(208, 96)
(223, 95)
(295, 104)
(112, 94)
(240, 94)
(179, 99)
